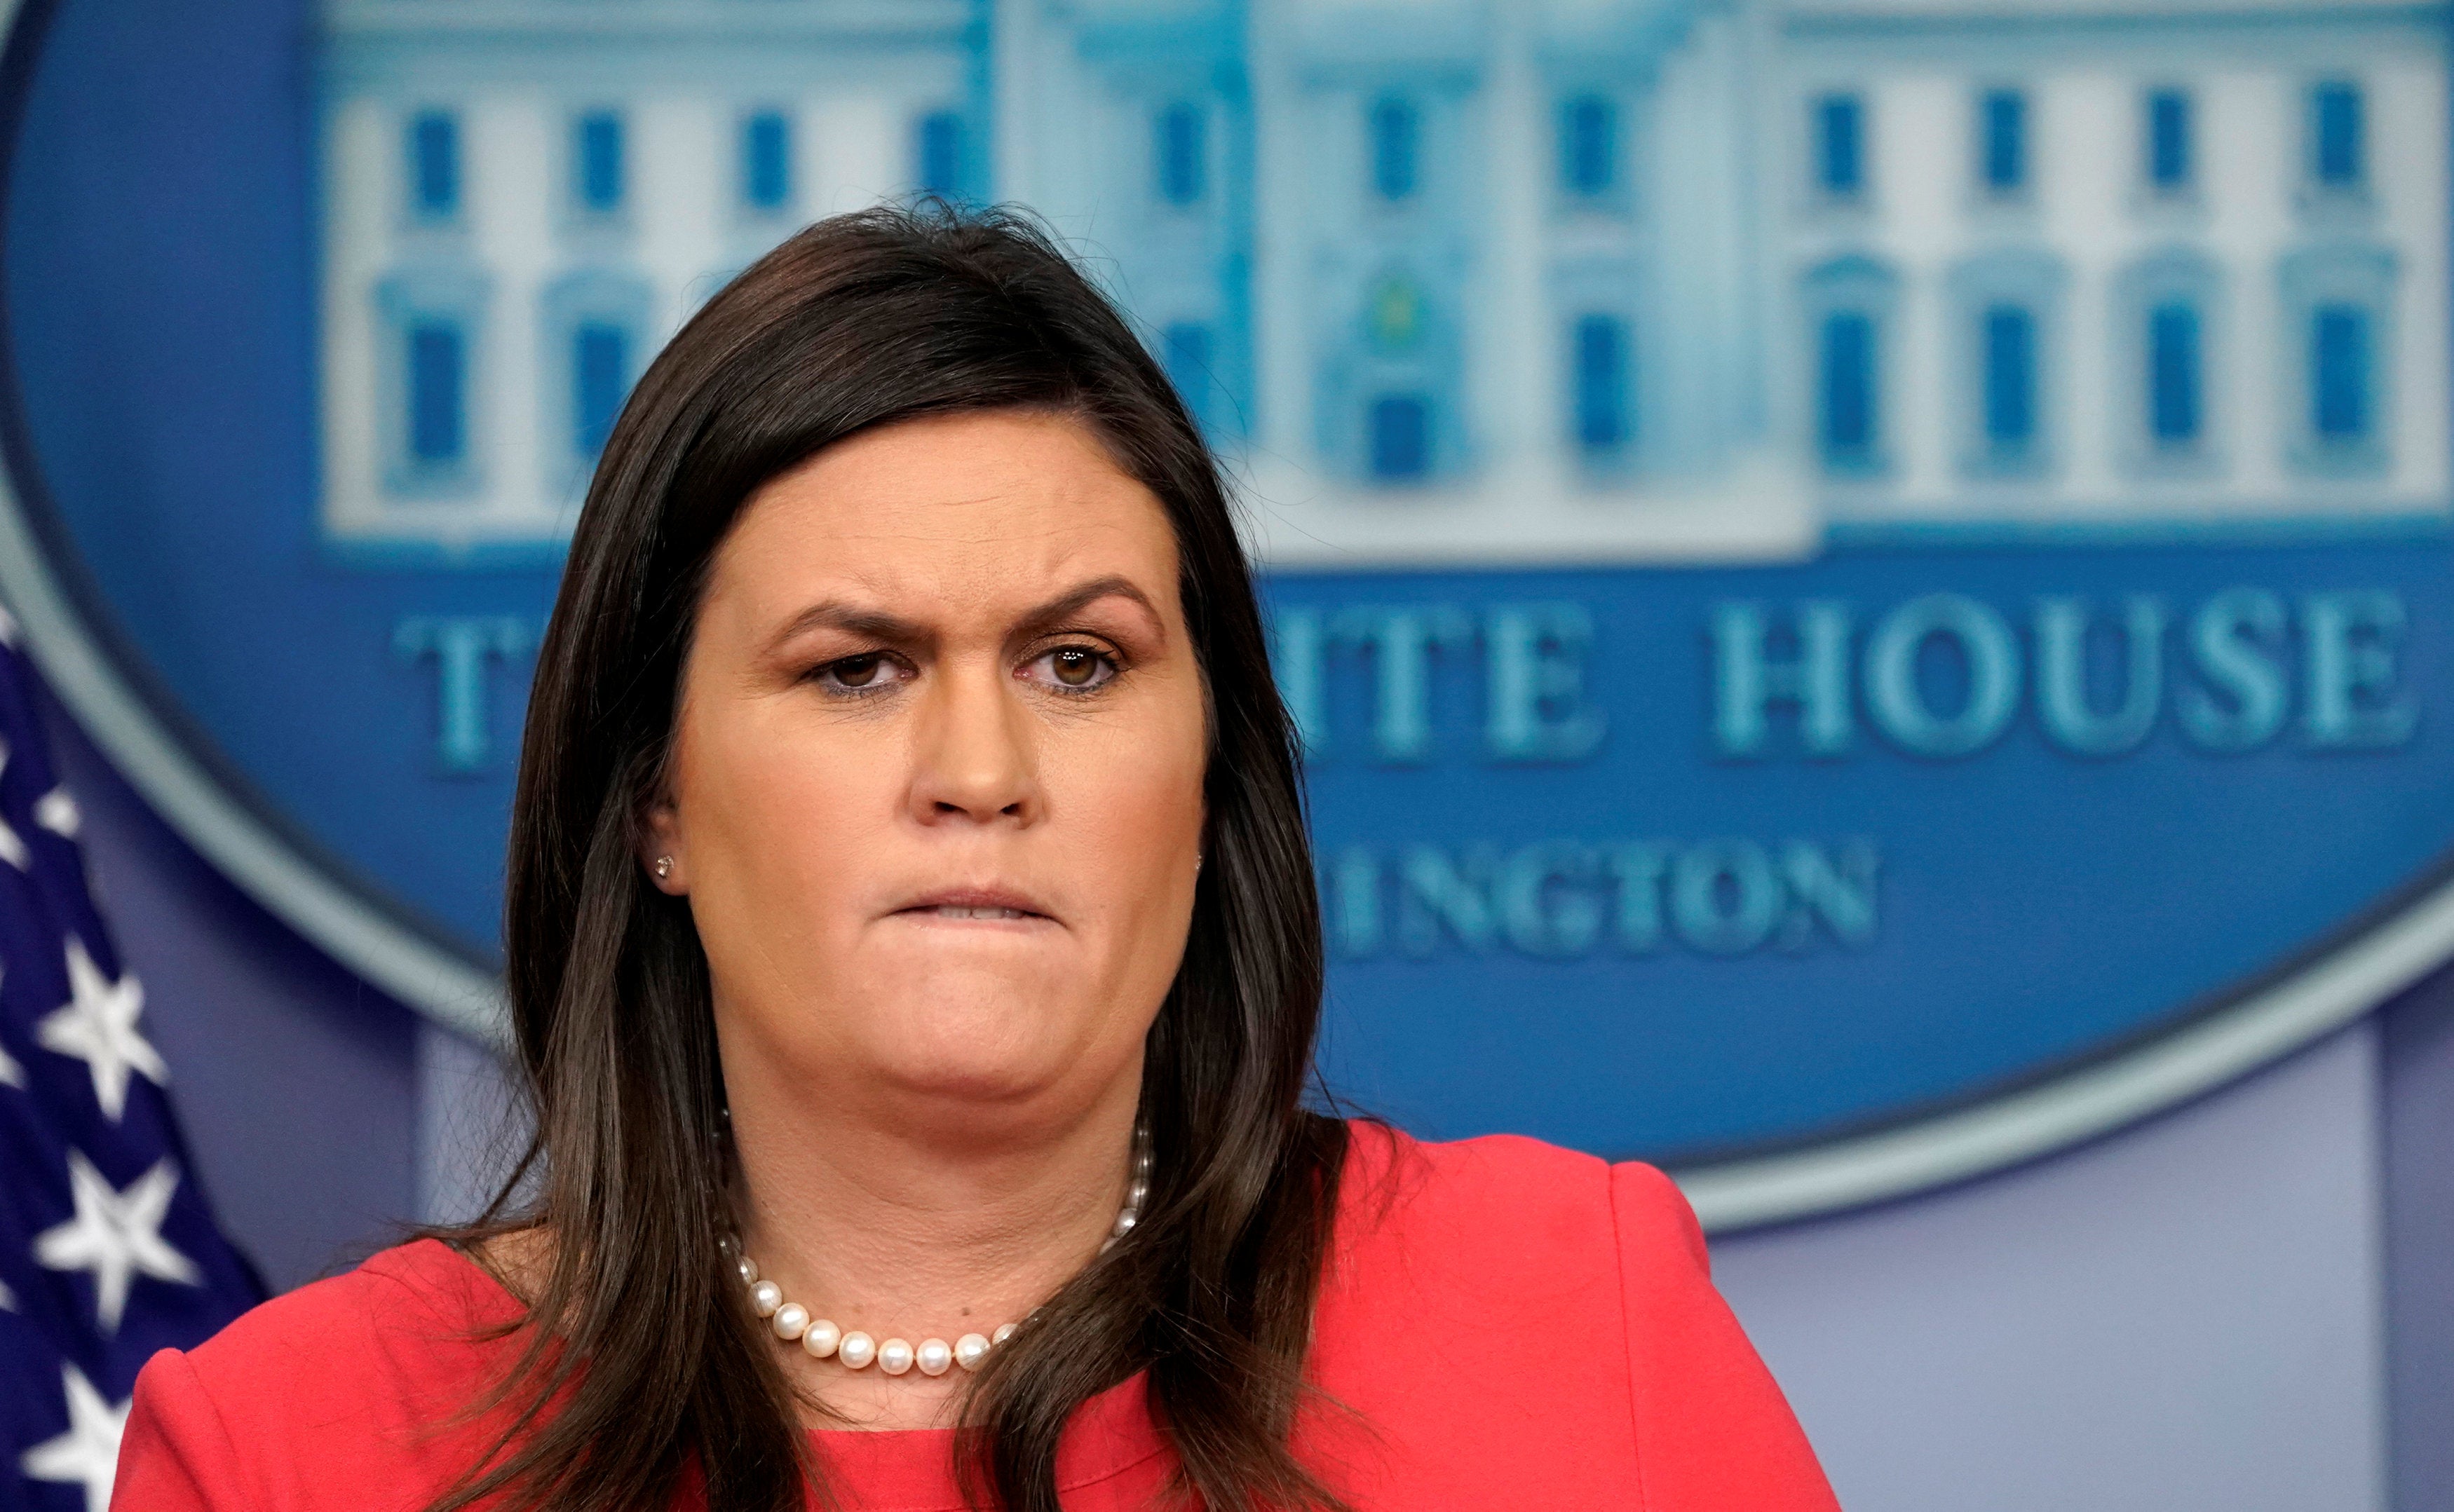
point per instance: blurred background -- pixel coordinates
(1865, 581)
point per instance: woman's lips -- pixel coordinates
(949, 910)
(977, 905)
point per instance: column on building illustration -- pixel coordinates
(430, 311)
(2168, 309)
(1598, 239)
(1848, 295)
(595, 314)
(2004, 300)
(2338, 302)
(1699, 287)
(2338, 291)
(2007, 308)
(1851, 304)
(1137, 138)
(1386, 207)
(1392, 402)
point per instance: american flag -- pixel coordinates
(108, 1251)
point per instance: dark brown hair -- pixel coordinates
(641, 1355)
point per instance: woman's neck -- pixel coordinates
(920, 1224)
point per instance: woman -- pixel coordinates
(914, 963)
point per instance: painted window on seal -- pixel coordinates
(2338, 127)
(593, 345)
(2340, 407)
(2008, 308)
(1186, 353)
(433, 151)
(1589, 146)
(1849, 305)
(1398, 438)
(600, 379)
(2169, 147)
(1837, 129)
(600, 167)
(2002, 143)
(437, 393)
(2010, 383)
(2176, 378)
(766, 162)
(939, 150)
(1395, 129)
(2168, 314)
(1848, 389)
(430, 326)
(1601, 381)
(1180, 150)
(2339, 303)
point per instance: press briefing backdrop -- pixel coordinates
(1865, 581)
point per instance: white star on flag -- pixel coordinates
(89, 1452)
(116, 1235)
(57, 812)
(12, 1074)
(98, 1025)
(13, 845)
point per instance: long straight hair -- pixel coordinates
(641, 1359)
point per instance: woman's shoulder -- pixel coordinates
(1576, 1295)
(337, 1387)
(1503, 1225)
(386, 1314)
(1546, 1203)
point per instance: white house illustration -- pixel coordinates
(1576, 280)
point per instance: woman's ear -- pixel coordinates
(661, 849)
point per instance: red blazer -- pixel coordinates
(1512, 1325)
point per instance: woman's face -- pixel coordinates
(935, 788)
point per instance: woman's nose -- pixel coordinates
(971, 757)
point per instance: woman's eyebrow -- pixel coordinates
(1076, 599)
(894, 630)
(834, 615)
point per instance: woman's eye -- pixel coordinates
(867, 673)
(1075, 668)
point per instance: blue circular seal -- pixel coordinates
(1847, 636)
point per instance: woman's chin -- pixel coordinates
(987, 1047)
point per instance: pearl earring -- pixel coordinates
(664, 868)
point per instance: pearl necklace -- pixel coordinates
(822, 1339)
